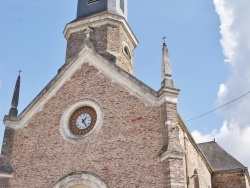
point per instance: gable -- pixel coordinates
(115, 73)
(129, 126)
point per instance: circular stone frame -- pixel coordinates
(65, 119)
(72, 122)
(81, 178)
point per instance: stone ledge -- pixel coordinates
(6, 171)
(97, 20)
(171, 155)
(10, 121)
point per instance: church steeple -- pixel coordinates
(166, 67)
(13, 110)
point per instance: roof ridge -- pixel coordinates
(207, 142)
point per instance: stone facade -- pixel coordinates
(4, 182)
(116, 152)
(195, 161)
(139, 139)
(230, 179)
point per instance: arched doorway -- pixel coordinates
(81, 180)
(80, 186)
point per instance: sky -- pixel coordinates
(208, 44)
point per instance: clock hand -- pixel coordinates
(83, 121)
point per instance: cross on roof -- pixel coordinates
(20, 72)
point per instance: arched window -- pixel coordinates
(126, 51)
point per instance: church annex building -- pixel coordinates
(95, 125)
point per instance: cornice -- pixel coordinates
(6, 171)
(98, 20)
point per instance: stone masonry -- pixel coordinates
(194, 162)
(108, 40)
(230, 179)
(140, 141)
(173, 166)
(116, 152)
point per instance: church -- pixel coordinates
(95, 125)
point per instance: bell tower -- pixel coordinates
(102, 26)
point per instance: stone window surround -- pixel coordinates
(64, 123)
(124, 46)
(81, 178)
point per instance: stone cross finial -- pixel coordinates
(166, 68)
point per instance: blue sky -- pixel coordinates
(200, 36)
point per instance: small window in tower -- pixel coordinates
(122, 5)
(126, 52)
(92, 1)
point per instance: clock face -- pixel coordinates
(82, 120)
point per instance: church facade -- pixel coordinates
(95, 125)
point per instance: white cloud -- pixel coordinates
(222, 91)
(235, 19)
(233, 135)
(228, 40)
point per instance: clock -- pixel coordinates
(82, 120)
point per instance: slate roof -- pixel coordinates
(218, 158)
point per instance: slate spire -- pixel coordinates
(166, 67)
(13, 110)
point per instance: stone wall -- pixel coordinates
(173, 164)
(107, 39)
(230, 179)
(124, 61)
(4, 182)
(194, 162)
(123, 152)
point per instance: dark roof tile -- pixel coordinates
(218, 158)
